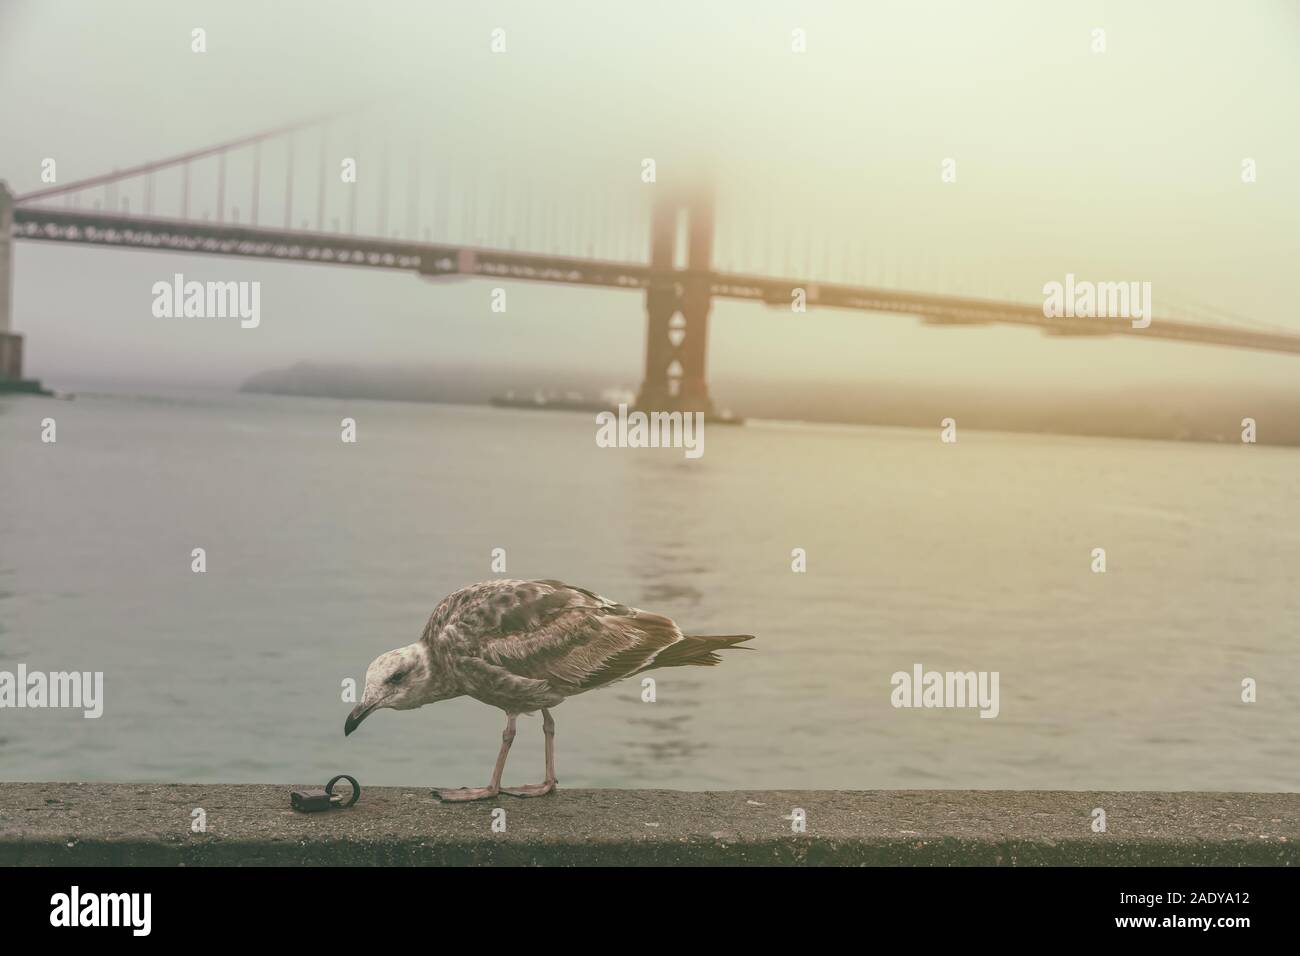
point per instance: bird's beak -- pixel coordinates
(358, 714)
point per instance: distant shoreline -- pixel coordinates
(1156, 414)
(1203, 418)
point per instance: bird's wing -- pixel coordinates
(496, 685)
(572, 638)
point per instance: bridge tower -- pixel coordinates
(11, 344)
(678, 302)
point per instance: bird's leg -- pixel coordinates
(547, 786)
(492, 789)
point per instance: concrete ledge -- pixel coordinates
(150, 825)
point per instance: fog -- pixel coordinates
(1119, 165)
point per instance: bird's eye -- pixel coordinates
(396, 678)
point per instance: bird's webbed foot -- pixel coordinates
(531, 790)
(465, 794)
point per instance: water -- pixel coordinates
(974, 556)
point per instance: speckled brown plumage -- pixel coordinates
(525, 646)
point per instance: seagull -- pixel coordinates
(525, 646)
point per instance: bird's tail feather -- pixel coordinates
(699, 650)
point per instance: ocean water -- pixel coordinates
(971, 556)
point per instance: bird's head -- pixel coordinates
(399, 679)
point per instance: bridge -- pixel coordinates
(474, 229)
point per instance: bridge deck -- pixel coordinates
(442, 260)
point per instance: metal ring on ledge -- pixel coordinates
(356, 788)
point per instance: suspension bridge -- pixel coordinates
(284, 194)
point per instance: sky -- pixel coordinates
(1123, 164)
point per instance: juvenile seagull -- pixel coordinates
(524, 646)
